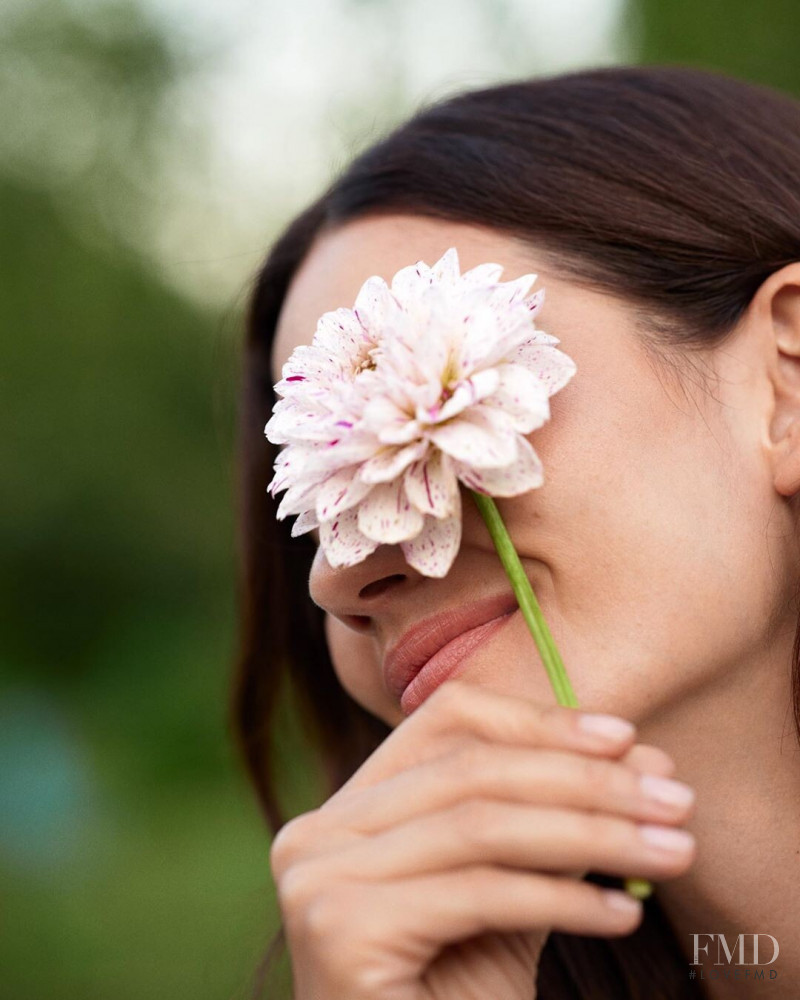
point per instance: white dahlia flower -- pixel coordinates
(434, 380)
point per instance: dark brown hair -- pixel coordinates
(676, 189)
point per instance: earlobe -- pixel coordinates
(778, 304)
(787, 462)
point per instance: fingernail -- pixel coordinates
(607, 727)
(666, 838)
(621, 901)
(665, 791)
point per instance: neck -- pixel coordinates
(736, 745)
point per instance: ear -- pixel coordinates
(777, 306)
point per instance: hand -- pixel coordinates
(439, 869)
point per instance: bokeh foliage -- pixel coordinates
(132, 857)
(756, 41)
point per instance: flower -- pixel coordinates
(433, 381)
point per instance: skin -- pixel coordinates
(662, 549)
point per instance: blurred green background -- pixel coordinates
(149, 152)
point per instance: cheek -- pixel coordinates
(653, 524)
(357, 666)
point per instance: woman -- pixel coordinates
(469, 839)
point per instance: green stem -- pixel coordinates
(532, 614)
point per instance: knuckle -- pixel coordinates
(288, 843)
(604, 778)
(603, 834)
(465, 763)
(555, 719)
(553, 715)
(646, 757)
(450, 699)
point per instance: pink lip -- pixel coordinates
(432, 650)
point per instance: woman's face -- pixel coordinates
(657, 546)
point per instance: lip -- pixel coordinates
(436, 645)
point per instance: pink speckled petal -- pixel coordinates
(509, 293)
(346, 448)
(300, 496)
(340, 334)
(472, 390)
(340, 491)
(522, 396)
(375, 307)
(342, 542)
(304, 522)
(411, 281)
(446, 268)
(390, 462)
(489, 336)
(305, 418)
(433, 550)
(308, 369)
(519, 477)
(391, 424)
(483, 437)
(552, 366)
(535, 302)
(387, 514)
(431, 485)
(482, 275)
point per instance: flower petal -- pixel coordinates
(522, 396)
(411, 281)
(482, 275)
(307, 367)
(299, 497)
(345, 449)
(342, 542)
(340, 335)
(387, 515)
(509, 293)
(391, 424)
(466, 393)
(388, 463)
(552, 366)
(375, 307)
(509, 481)
(489, 335)
(340, 491)
(306, 521)
(534, 302)
(433, 550)
(446, 268)
(431, 485)
(482, 437)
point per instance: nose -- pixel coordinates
(357, 594)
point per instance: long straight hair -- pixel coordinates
(675, 189)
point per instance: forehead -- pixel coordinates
(340, 261)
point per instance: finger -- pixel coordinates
(649, 760)
(484, 899)
(532, 837)
(431, 911)
(534, 777)
(457, 710)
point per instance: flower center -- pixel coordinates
(366, 363)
